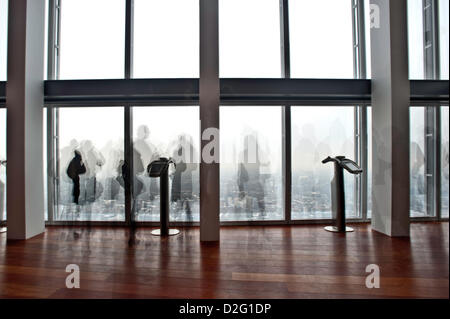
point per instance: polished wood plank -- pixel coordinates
(249, 262)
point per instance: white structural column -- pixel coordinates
(390, 116)
(209, 116)
(24, 101)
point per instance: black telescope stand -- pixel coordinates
(338, 191)
(160, 168)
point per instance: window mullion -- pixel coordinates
(360, 136)
(51, 167)
(431, 68)
(128, 114)
(286, 117)
(129, 35)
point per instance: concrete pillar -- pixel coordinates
(209, 116)
(24, 102)
(390, 115)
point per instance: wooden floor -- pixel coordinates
(249, 262)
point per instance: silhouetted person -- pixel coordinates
(250, 183)
(65, 183)
(94, 161)
(417, 184)
(445, 161)
(147, 154)
(123, 177)
(138, 167)
(182, 186)
(303, 170)
(109, 173)
(66, 153)
(74, 170)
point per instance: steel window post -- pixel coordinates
(431, 39)
(52, 52)
(53, 63)
(285, 41)
(430, 160)
(438, 166)
(128, 115)
(432, 72)
(53, 39)
(364, 151)
(286, 116)
(359, 39)
(129, 35)
(129, 182)
(360, 72)
(354, 6)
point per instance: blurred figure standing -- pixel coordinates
(182, 188)
(147, 153)
(74, 170)
(250, 182)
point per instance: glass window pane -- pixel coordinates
(167, 132)
(321, 38)
(249, 38)
(250, 163)
(318, 132)
(92, 39)
(444, 161)
(415, 39)
(166, 39)
(444, 38)
(90, 154)
(418, 207)
(2, 164)
(3, 37)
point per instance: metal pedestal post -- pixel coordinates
(164, 207)
(338, 201)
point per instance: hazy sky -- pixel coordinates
(321, 38)
(92, 39)
(249, 41)
(166, 42)
(166, 38)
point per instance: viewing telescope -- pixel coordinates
(338, 191)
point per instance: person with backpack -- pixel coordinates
(74, 170)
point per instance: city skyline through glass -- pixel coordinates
(318, 132)
(90, 183)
